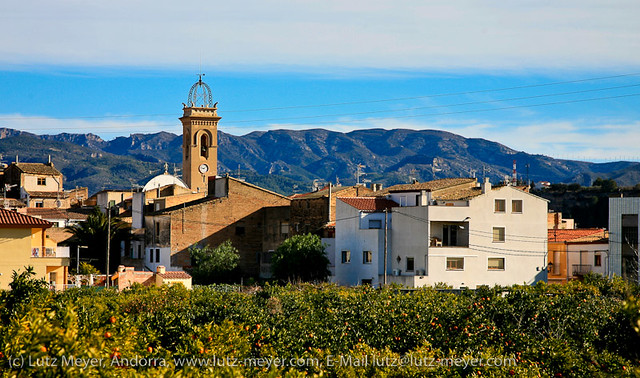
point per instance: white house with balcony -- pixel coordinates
(451, 231)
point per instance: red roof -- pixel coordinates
(177, 275)
(560, 235)
(369, 203)
(10, 218)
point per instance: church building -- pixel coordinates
(204, 208)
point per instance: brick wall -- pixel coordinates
(244, 216)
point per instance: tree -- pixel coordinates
(300, 258)
(25, 288)
(607, 186)
(92, 233)
(211, 265)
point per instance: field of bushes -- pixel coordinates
(580, 329)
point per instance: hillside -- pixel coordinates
(281, 159)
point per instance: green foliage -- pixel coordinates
(579, 329)
(92, 233)
(300, 258)
(86, 268)
(607, 185)
(213, 265)
(24, 290)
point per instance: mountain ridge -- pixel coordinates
(297, 157)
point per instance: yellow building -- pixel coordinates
(24, 242)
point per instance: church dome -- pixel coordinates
(163, 180)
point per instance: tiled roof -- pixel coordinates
(38, 169)
(429, 185)
(324, 192)
(39, 194)
(10, 218)
(455, 194)
(11, 202)
(369, 203)
(574, 235)
(45, 213)
(175, 275)
(58, 234)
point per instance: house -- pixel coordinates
(451, 231)
(556, 221)
(315, 212)
(36, 184)
(623, 237)
(58, 217)
(360, 239)
(25, 243)
(256, 221)
(576, 252)
(127, 276)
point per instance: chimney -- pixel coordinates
(486, 186)
(160, 269)
(120, 268)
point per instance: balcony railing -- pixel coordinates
(581, 269)
(50, 252)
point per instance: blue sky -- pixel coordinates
(555, 79)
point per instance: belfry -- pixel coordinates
(199, 137)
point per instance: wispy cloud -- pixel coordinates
(107, 129)
(414, 34)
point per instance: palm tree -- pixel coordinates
(92, 233)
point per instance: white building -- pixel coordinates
(623, 237)
(450, 231)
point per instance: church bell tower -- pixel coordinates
(199, 137)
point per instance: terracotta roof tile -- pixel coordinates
(46, 213)
(175, 275)
(578, 234)
(38, 169)
(39, 194)
(429, 185)
(324, 192)
(10, 218)
(369, 203)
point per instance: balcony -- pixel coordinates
(39, 252)
(581, 269)
(449, 234)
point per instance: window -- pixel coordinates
(455, 263)
(410, 264)
(284, 229)
(496, 263)
(516, 206)
(42, 181)
(367, 257)
(204, 146)
(346, 257)
(157, 255)
(157, 229)
(375, 223)
(240, 230)
(39, 204)
(367, 282)
(500, 206)
(597, 260)
(498, 234)
(151, 255)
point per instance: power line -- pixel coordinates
(355, 102)
(379, 118)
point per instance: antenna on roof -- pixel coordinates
(359, 172)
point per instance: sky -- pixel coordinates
(559, 78)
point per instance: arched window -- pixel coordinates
(187, 145)
(204, 146)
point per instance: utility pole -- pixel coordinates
(386, 227)
(106, 284)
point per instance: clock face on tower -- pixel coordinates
(203, 168)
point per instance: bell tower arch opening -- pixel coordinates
(200, 136)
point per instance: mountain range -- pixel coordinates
(290, 160)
